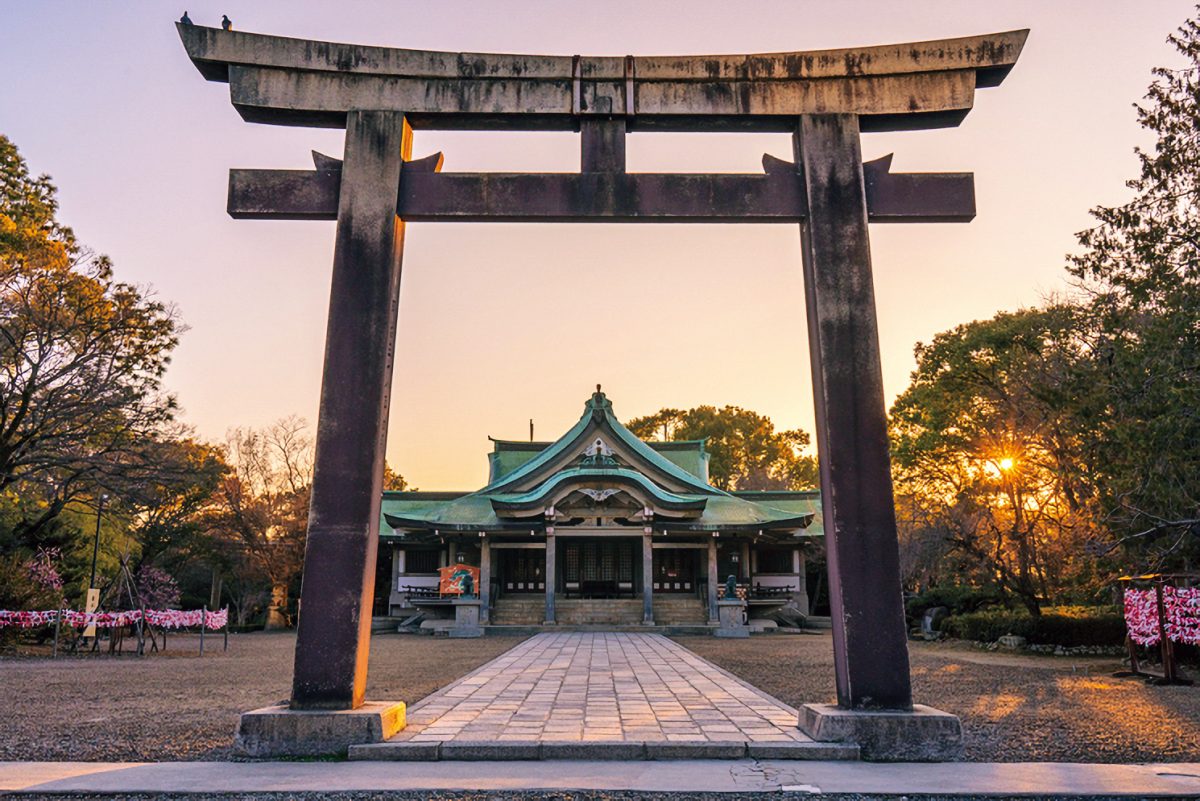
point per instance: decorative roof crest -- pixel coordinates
(599, 495)
(598, 454)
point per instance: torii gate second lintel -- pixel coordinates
(826, 98)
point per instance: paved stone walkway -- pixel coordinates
(600, 688)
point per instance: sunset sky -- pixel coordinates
(501, 323)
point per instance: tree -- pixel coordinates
(166, 507)
(261, 506)
(393, 481)
(82, 357)
(988, 457)
(1140, 270)
(747, 453)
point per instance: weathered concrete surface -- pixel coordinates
(528, 750)
(276, 731)
(466, 618)
(730, 623)
(279, 80)
(922, 735)
(343, 522)
(813, 779)
(775, 197)
(870, 640)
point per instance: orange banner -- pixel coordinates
(453, 579)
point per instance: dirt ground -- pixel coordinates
(182, 706)
(1014, 708)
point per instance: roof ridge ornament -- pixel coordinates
(598, 454)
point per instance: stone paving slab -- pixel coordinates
(693, 777)
(641, 694)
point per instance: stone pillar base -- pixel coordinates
(730, 613)
(466, 618)
(923, 735)
(276, 731)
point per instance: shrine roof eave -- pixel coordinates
(281, 80)
(415, 530)
(597, 476)
(475, 513)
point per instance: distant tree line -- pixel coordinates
(89, 440)
(1046, 451)
(1042, 453)
(1036, 455)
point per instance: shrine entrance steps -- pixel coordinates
(530, 610)
(600, 696)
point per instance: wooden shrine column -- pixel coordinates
(334, 631)
(869, 637)
(712, 578)
(484, 590)
(647, 576)
(550, 573)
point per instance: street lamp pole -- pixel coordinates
(96, 543)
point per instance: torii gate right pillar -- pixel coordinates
(869, 638)
(870, 647)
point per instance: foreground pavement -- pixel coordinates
(690, 778)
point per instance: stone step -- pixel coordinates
(529, 611)
(622, 749)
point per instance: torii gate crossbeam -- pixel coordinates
(825, 98)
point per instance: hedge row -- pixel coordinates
(1065, 626)
(958, 599)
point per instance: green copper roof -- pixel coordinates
(598, 456)
(606, 476)
(508, 455)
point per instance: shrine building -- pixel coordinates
(598, 528)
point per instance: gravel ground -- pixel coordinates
(1014, 708)
(181, 706)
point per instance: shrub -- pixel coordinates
(157, 589)
(28, 584)
(958, 599)
(989, 625)
(1066, 626)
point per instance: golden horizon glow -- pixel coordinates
(503, 323)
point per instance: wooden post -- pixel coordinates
(57, 626)
(551, 551)
(203, 626)
(869, 637)
(647, 576)
(1164, 642)
(485, 580)
(712, 579)
(333, 635)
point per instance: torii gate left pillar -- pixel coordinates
(343, 526)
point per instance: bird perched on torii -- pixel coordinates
(185, 19)
(226, 23)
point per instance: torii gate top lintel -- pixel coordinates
(285, 81)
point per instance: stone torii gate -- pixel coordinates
(824, 98)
